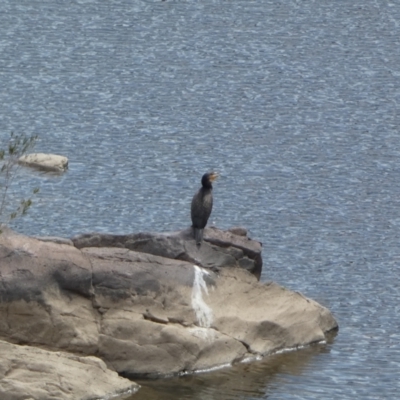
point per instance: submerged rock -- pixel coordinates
(146, 314)
(45, 162)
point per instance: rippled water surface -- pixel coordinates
(295, 103)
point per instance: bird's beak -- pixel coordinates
(214, 176)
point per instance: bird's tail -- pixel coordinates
(198, 235)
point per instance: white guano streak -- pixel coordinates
(203, 313)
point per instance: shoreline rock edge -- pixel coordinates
(147, 315)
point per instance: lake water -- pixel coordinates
(295, 103)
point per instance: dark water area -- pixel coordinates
(295, 103)
(255, 380)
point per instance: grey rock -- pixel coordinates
(238, 230)
(145, 315)
(48, 375)
(55, 239)
(45, 162)
(220, 249)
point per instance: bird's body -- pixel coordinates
(201, 208)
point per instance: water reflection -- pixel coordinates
(241, 381)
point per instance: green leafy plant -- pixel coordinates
(15, 147)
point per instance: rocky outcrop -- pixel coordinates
(31, 373)
(220, 249)
(45, 162)
(146, 314)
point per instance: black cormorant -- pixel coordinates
(202, 205)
